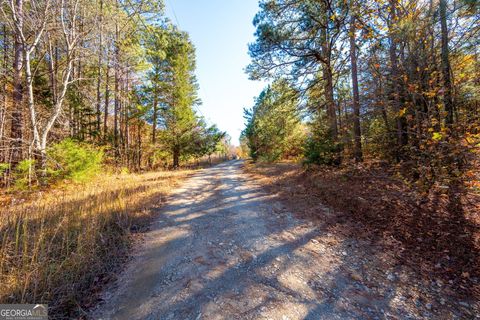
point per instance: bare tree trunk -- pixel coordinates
(176, 157)
(73, 113)
(356, 96)
(139, 145)
(16, 128)
(446, 69)
(434, 111)
(402, 137)
(154, 117)
(51, 70)
(328, 83)
(40, 134)
(31, 101)
(116, 94)
(327, 74)
(331, 108)
(99, 71)
(83, 122)
(126, 116)
(4, 106)
(107, 99)
(121, 91)
(340, 114)
(116, 88)
(381, 97)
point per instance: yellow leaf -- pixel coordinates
(437, 136)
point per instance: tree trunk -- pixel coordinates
(126, 116)
(3, 108)
(139, 145)
(154, 118)
(176, 157)
(356, 96)
(116, 88)
(116, 104)
(447, 81)
(382, 103)
(107, 100)
(17, 112)
(331, 108)
(51, 69)
(43, 165)
(327, 74)
(434, 112)
(340, 114)
(402, 137)
(99, 71)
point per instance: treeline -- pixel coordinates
(274, 126)
(112, 75)
(397, 80)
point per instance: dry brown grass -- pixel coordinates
(59, 246)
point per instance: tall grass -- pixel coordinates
(58, 246)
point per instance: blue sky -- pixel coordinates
(221, 31)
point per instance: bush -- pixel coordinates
(4, 167)
(381, 140)
(320, 151)
(320, 148)
(72, 160)
(23, 173)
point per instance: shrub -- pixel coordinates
(4, 167)
(321, 149)
(69, 159)
(23, 173)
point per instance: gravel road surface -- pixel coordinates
(223, 248)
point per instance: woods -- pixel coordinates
(93, 95)
(387, 96)
(388, 80)
(274, 130)
(115, 75)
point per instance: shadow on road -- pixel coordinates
(224, 248)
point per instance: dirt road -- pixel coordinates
(225, 249)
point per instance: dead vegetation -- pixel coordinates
(59, 246)
(435, 234)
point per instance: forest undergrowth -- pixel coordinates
(436, 233)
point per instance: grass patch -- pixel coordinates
(59, 246)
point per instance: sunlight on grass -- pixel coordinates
(58, 245)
